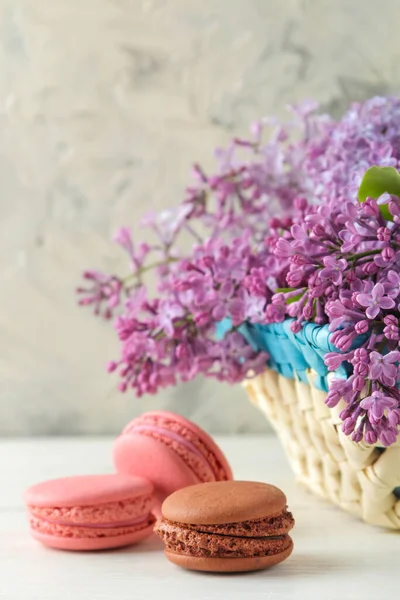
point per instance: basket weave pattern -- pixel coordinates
(361, 479)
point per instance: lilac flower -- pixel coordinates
(336, 390)
(370, 208)
(333, 269)
(221, 307)
(123, 236)
(375, 301)
(361, 327)
(255, 309)
(384, 367)
(394, 417)
(276, 231)
(392, 284)
(385, 258)
(349, 425)
(391, 330)
(388, 436)
(284, 249)
(343, 338)
(300, 234)
(336, 312)
(275, 313)
(361, 360)
(136, 301)
(350, 237)
(167, 223)
(370, 435)
(376, 404)
(256, 281)
(104, 293)
(333, 360)
(296, 326)
(384, 234)
(168, 312)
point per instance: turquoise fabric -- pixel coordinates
(291, 354)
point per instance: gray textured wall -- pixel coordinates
(103, 106)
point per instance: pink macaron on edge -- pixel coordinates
(171, 464)
(202, 435)
(147, 457)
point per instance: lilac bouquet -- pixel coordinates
(303, 226)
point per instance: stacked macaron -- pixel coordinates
(227, 526)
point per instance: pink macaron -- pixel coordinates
(171, 451)
(91, 512)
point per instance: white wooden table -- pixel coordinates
(335, 555)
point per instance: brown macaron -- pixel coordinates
(226, 526)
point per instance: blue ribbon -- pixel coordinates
(291, 354)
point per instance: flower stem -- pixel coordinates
(355, 257)
(140, 272)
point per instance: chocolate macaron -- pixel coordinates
(226, 526)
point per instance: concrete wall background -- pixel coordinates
(103, 106)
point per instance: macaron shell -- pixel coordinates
(227, 565)
(200, 433)
(220, 502)
(146, 457)
(87, 490)
(87, 544)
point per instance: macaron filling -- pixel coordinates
(271, 526)
(99, 530)
(122, 510)
(180, 539)
(111, 525)
(102, 520)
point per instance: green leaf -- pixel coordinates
(377, 181)
(314, 310)
(295, 298)
(290, 300)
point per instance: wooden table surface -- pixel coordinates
(335, 555)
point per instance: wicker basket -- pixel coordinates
(363, 480)
(360, 479)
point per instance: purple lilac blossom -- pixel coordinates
(277, 232)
